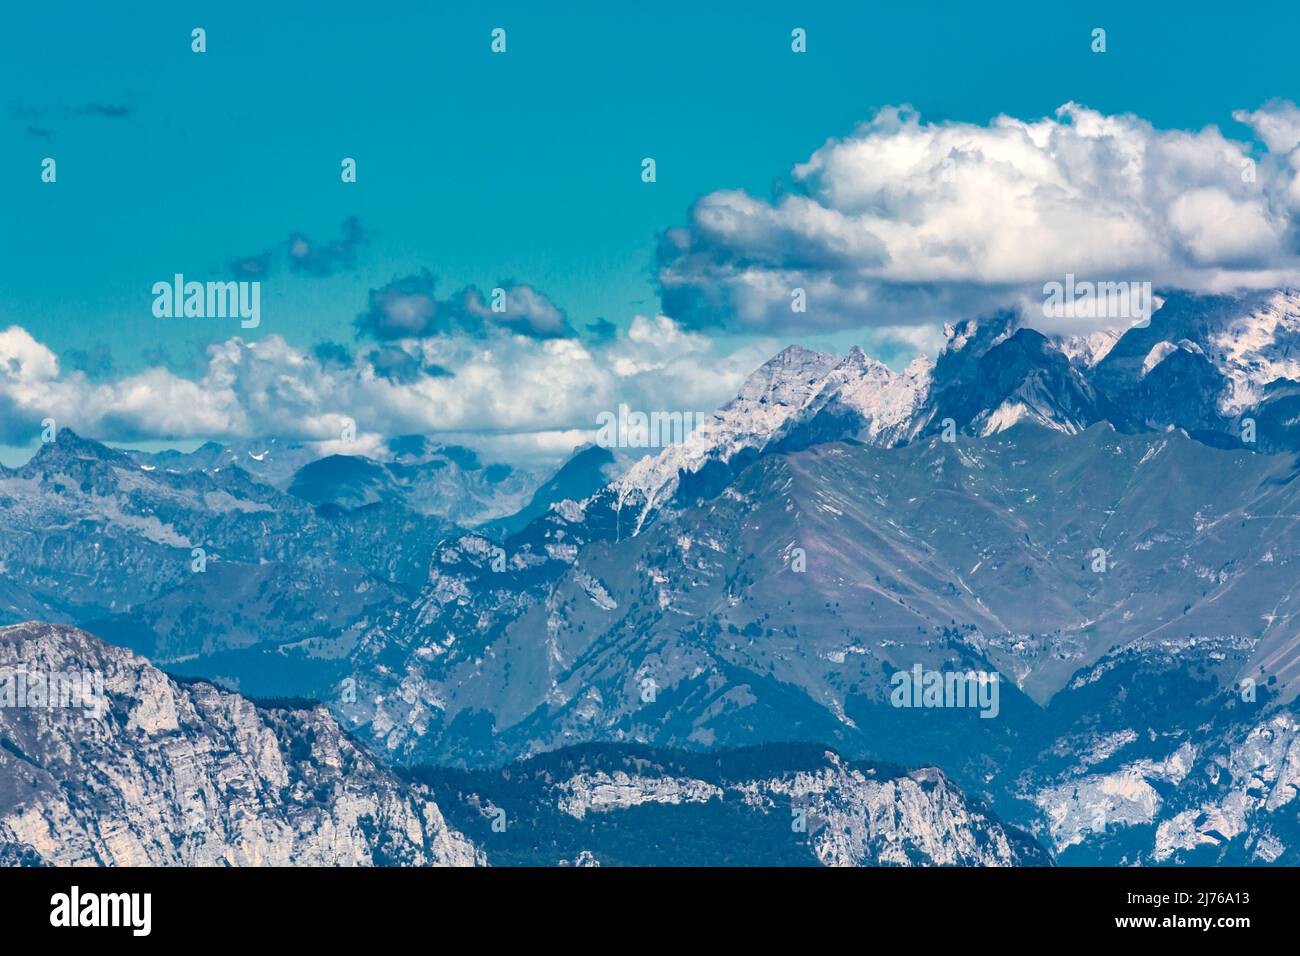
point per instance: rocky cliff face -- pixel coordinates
(856, 817)
(1226, 799)
(143, 770)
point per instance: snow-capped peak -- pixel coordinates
(786, 392)
(884, 399)
(1162, 350)
(1087, 350)
(788, 379)
(768, 397)
(1257, 348)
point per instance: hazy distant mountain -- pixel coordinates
(447, 481)
(270, 461)
(208, 570)
(586, 472)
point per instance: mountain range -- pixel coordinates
(1108, 523)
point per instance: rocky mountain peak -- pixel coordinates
(787, 379)
(69, 447)
(166, 773)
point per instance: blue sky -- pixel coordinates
(523, 166)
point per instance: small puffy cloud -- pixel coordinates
(106, 110)
(306, 255)
(96, 360)
(327, 257)
(405, 308)
(256, 266)
(332, 353)
(37, 118)
(100, 108)
(24, 360)
(906, 222)
(399, 365)
(409, 308)
(514, 306)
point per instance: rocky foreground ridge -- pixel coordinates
(185, 774)
(147, 769)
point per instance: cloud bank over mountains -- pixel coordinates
(892, 230)
(523, 397)
(908, 222)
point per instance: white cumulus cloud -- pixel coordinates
(909, 222)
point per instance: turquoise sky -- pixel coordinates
(524, 166)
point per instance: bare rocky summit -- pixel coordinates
(177, 773)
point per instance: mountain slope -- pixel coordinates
(769, 397)
(1022, 378)
(980, 552)
(1228, 799)
(1088, 520)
